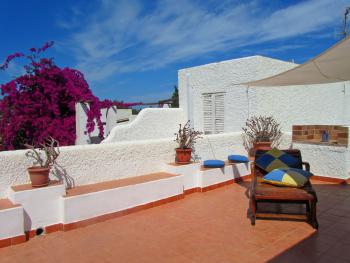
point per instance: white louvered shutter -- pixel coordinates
(208, 114)
(213, 113)
(219, 113)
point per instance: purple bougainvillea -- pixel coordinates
(41, 103)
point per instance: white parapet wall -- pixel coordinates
(149, 124)
(330, 161)
(86, 164)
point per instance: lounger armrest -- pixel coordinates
(306, 165)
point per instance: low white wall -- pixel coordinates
(149, 124)
(86, 164)
(330, 161)
(219, 146)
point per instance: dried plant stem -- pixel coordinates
(50, 147)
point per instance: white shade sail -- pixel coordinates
(333, 65)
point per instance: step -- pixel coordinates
(41, 205)
(91, 201)
(106, 185)
(189, 171)
(229, 173)
(11, 221)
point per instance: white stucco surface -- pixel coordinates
(109, 116)
(221, 175)
(85, 164)
(80, 207)
(324, 104)
(331, 161)
(150, 123)
(327, 104)
(47, 213)
(11, 222)
(290, 105)
(226, 77)
(189, 171)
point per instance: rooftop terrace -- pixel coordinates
(211, 226)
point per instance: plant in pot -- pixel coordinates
(186, 138)
(261, 132)
(39, 172)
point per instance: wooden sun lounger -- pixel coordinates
(267, 193)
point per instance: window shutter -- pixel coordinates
(219, 113)
(208, 114)
(213, 112)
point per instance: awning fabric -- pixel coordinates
(333, 65)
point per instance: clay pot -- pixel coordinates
(39, 176)
(183, 156)
(260, 146)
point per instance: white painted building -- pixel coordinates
(220, 101)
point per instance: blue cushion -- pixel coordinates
(288, 177)
(275, 159)
(214, 163)
(238, 158)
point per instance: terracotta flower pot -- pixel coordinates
(183, 156)
(260, 146)
(39, 176)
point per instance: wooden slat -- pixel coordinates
(280, 216)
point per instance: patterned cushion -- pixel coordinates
(288, 177)
(238, 158)
(275, 159)
(214, 163)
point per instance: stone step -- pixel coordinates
(107, 185)
(102, 199)
(11, 222)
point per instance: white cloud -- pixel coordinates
(125, 36)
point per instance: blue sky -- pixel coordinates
(131, 50)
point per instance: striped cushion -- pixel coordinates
(288, 177)
(275, 159)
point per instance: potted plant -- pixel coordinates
(39, 172)
(186, 138)
(261, 132)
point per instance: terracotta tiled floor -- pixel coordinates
(204, 227)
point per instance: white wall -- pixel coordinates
(225, 77)
(326, 160)
(325, 104)
(290, 105)
(109, 116)
(86, 164)
(150, 123)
